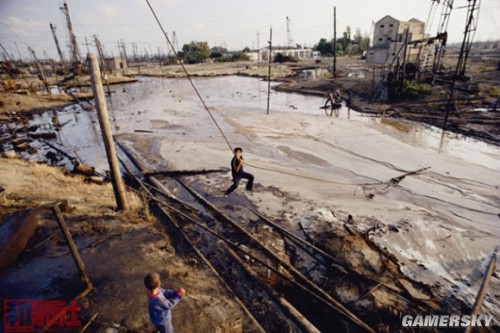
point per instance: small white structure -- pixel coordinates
(287, 51)
(115, 63)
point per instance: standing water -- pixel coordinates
(138, 105)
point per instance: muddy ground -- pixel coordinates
(109, 241)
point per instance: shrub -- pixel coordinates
(414, 90)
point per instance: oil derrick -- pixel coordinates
(442, 34)
(63, 64)
(123, 53)
(74, 51)
(470, 30)
(174, 42)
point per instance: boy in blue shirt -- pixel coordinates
(160, 302)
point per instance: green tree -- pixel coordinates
(357, 42)
(324, 47)
(361, 42)
(196, 52)
(345, 41)
(365, 43)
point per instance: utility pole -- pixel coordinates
(334, 42)
(63, 64)
(74, 51)
(40, 69)
(99, 52)
(52, 63)
(136, 58)
(167, 53)
(102, 113)
(159, 58)
(123, 54)
(124, 49)
(258, 47)
(269, 70)
(103, 65)
(403, 66)
(87, 44)
(18, 52)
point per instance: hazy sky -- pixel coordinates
(230, 23)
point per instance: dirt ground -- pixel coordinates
(119, 248)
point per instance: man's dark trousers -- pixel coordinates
(236, 181)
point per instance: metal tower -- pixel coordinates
(53, 29)
(74, 51)
(442, 34)
(289, 40)
(175, 43)
(470, 31)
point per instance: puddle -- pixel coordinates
(360, 75)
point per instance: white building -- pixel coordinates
(389, 37)
(115, 63)
(286, 51)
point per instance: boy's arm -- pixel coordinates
(172, 298)
(238, 165)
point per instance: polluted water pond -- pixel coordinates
(316, 161)
(57, 137)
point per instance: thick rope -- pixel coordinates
(189, 77)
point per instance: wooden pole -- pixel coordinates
(483, 289)
(373, 81)
(269, 70)
(102, 113)
(72, 246)
(42, 73)
(103, 65)
(334, 46)
(403, 69)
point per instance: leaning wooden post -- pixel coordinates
(102, 113)
(42, 73)
(484, 288)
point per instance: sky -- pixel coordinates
(234, 24)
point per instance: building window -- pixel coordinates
(381, 25)
(380, 39)
(391, 25)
